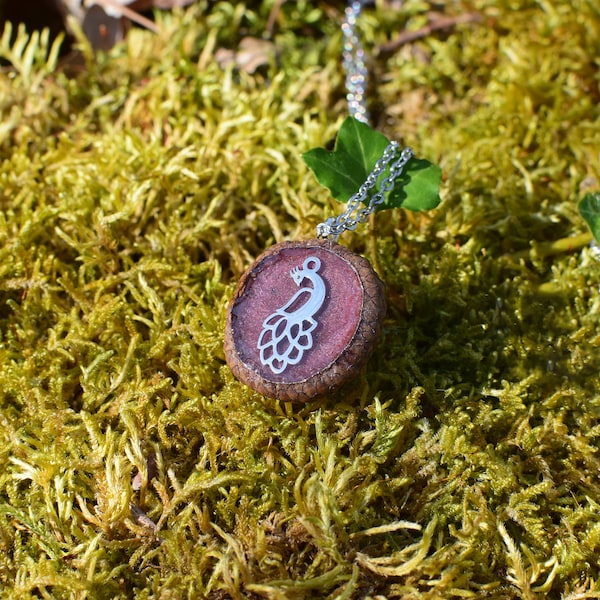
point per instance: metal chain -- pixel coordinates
(334, 226)
(354, 64)
(358, 211)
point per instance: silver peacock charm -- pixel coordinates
(287, 333)
(303, 320)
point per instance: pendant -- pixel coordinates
(303, 320)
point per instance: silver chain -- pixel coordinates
(356, 83)
(354, 64)
(334, 226)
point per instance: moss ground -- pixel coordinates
(464, 462)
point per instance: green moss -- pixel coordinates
(463, 463)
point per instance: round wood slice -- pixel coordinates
(331, 342)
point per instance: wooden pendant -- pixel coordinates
(303, 320)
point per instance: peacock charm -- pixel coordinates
(287, 333)
(305, 338)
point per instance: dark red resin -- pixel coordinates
(270, 286)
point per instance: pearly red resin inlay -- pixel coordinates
(271, 286)
(303, 320)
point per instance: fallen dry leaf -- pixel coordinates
(252, 54)
(102, 29)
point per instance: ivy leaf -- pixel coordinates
(589, 209)
(418, 187)
(343, 171)
(357, 149)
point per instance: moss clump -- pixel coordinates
(464, 463)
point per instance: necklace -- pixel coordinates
(306, 315)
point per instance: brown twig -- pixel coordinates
(128, 13)
(436, 24)
(273, 17)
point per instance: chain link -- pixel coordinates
(354, 64)
(360, 207)
(357, 211)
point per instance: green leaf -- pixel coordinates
(418, 186)
(589, 209)
(357, 150)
